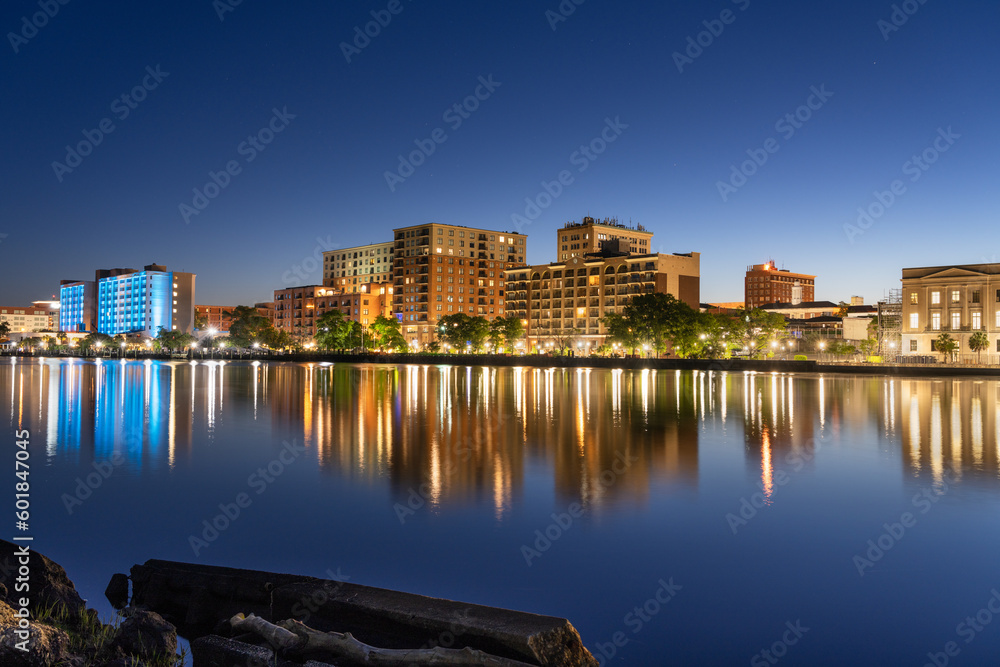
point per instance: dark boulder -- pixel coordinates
(146, 635)
(47, 580)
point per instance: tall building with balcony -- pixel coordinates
(958, 299)
(347, 269)
(564, 302)
(576, 239)
(142, 302)
(441, 270)
(765, 284)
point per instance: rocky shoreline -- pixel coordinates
(251, 618)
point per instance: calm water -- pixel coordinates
(746, 501)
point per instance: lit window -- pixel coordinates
(956, 321)
(954, 295)
(977, 321)
(936, 321)
(914, 320)
(935, 298)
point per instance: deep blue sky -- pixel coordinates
(323, 176)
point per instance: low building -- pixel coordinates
(957, 299)
(297, 309)
(215, 317)
(25, 318)
(568, 299)
(802, 311)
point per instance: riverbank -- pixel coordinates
(625, 363)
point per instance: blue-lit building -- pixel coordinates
(76, 306)
(127, 301)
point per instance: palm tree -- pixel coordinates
(945, 344)
(978, 342)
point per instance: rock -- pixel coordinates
(46, 645)
(49, 585)
(117, 591)
(215, 651)
(146, 635)
(130, 661)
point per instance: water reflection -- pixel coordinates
(474, 434)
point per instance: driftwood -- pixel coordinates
(293, 636)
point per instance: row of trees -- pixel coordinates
(475, 333)
(662, 323)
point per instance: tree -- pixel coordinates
(171, 339)
(387, 334)
(946, 345)
(200, 321)
(755, 329)
(978, 342)
(505, 331)
(842, 309)
(462, 331)
(92, 340)
(332, 331)
(4, 328)
(247, 326)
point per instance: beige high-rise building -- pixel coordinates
(576, 239)
(348, 269)
(441, 270)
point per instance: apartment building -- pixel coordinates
(441, 270)
(215, 317)
(347, 269)
(764, 283)
(297, 309)
(25, 318)
(568, 299)
(576, 239)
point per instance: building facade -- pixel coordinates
(215, 317)
(766, 284)
(143, 302)
(348, 269)
(958, 299)
(576, 239)
(568, 299)
(441, 270)
(297, 309)
(78, 306)
(25, 319)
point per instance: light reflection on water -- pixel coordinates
(494, 451)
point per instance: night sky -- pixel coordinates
(885, 85)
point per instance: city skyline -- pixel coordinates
(298, 120)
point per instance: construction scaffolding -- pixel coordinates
(889, 326)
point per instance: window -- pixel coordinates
(977, 321)
(936, 321)
(913, 345)
(956, 321)
(914, 320)
(913, 297)
(954, 296)
(935, 298)
(975, 296)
